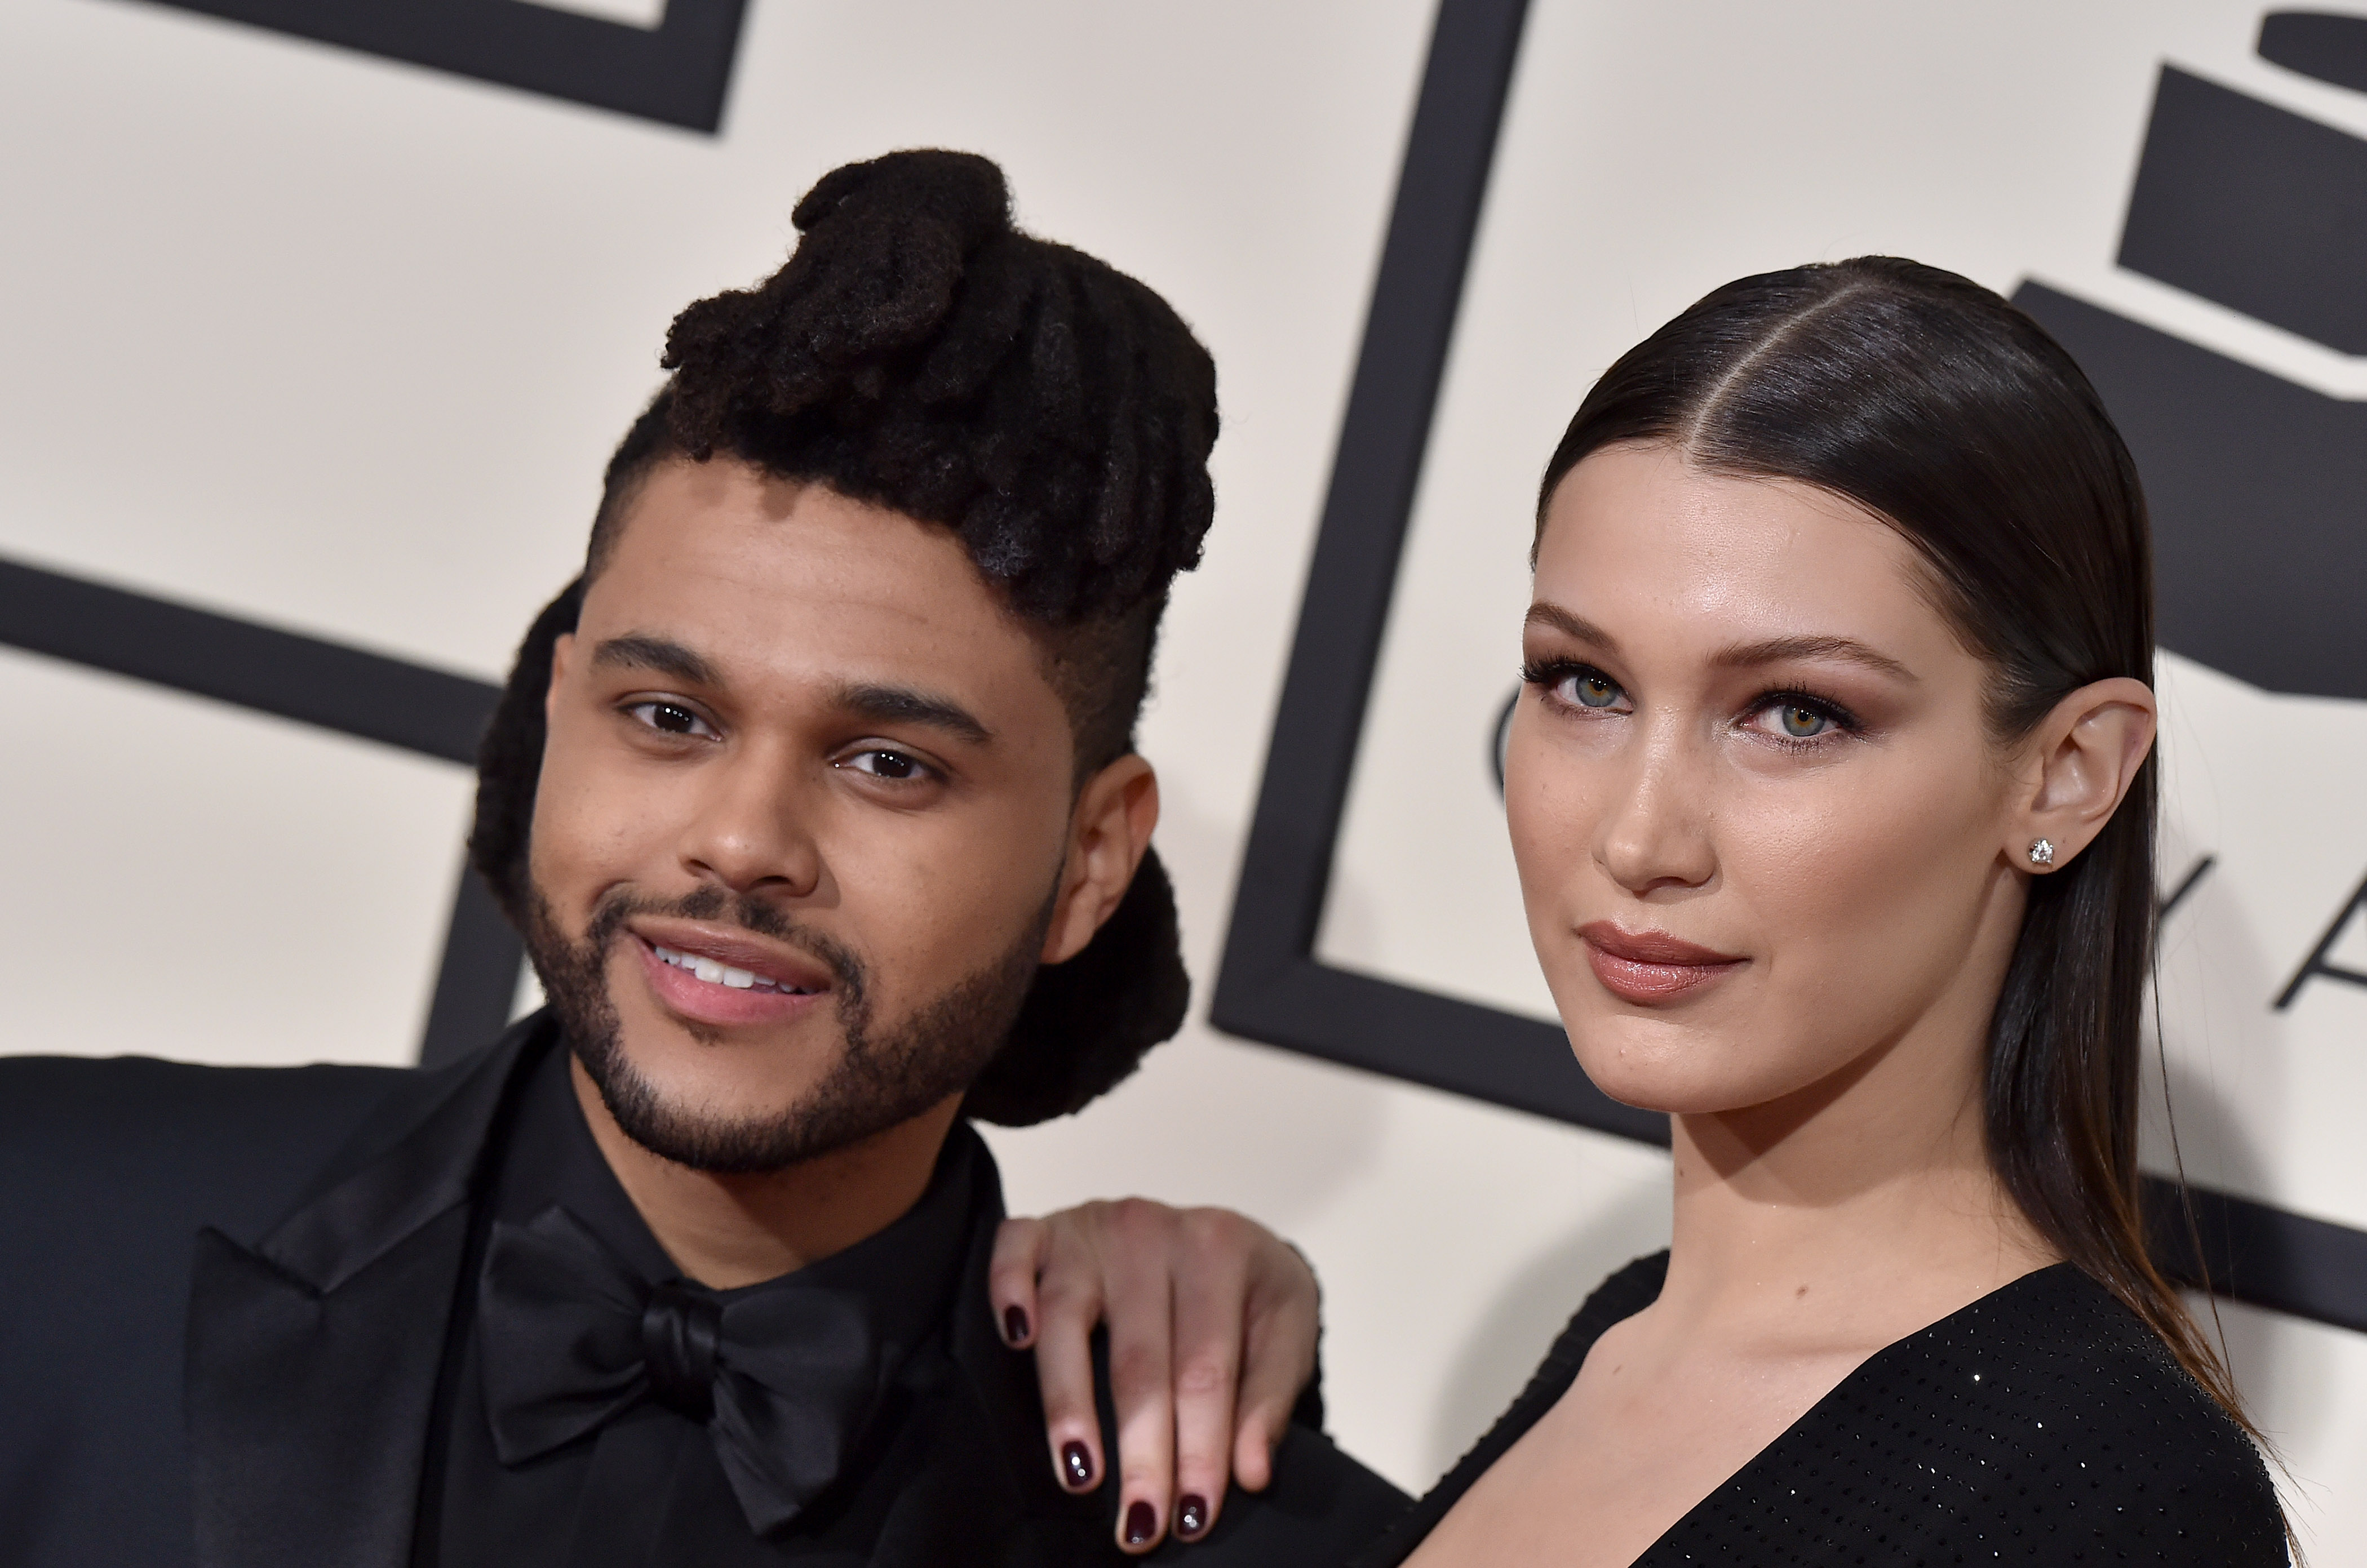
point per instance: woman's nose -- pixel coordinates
(1653, 834)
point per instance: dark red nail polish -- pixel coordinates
(1014, 1324)
(1141, 1523)
(1077, 1466)
(1191, 1517)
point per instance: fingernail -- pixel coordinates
(1191, 1515)
(1077, 1465)
(1141, 1523)
(1014, 1324)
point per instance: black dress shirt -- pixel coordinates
(646, 1487)
(2042, 1424)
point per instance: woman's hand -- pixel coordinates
(1212, 1326)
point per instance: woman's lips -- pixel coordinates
(1651, 966)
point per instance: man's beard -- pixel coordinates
(886, 1075)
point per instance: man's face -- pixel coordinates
(802, 816)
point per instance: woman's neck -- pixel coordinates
(1850, 1214)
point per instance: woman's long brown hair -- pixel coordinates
(1936, 405)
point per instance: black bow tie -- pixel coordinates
(783, 1377)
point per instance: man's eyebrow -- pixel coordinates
(1783, 650)
(904, 704)
(1570, 624)
(639, 650)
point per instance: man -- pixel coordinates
(817, 801)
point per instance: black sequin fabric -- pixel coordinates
(2043, 1424)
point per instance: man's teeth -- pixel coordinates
(716, 974)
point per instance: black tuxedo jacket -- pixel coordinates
(226, 1296)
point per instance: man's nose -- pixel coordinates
(754, 829)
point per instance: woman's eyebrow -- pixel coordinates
(1734, 656)
(1570, 624)
(1784, 649)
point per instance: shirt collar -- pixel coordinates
(904, 1273)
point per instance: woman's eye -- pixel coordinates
(1590, 689)
(672, 718)
(885, 764)
(1798, 721)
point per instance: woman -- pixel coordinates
(1832, 798)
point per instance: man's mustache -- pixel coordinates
(721, 906)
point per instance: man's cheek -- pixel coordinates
(921, 885)
(595, 833)
(910, 956)
(934, 932)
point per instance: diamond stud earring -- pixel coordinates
(2041, 852)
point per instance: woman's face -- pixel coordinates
(1759, 825)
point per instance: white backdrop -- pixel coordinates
(340, 345)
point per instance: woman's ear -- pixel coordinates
(2082, 759)
(1108, 832)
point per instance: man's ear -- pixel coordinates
(2080, 762)
(561, 649)
(1108, 832)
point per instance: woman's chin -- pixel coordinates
(1648, 1086)
(1680, 1077)
(1649, 1093)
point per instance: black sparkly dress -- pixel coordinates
(2043, 1424)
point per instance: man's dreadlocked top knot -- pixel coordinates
(919, 353)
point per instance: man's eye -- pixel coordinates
(671, 718)
(885, 764)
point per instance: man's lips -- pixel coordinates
(1650, 966)
(720, 977)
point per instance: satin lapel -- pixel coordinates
(313, 1355)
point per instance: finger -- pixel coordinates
(1138, 1263)
(1019, 1249)
(1069, 1298)
(1212, 1288)
(1264, 1417)
(1278, 1360)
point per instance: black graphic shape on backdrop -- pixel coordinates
(1500, 739)
(2259, 492)
(2318, 43)
(2316, 967)
(366, 696)
(1271, 986)
(2186, 884)
(2254, 206)
(344, 689)
(676, 73)
(2252, 1253)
